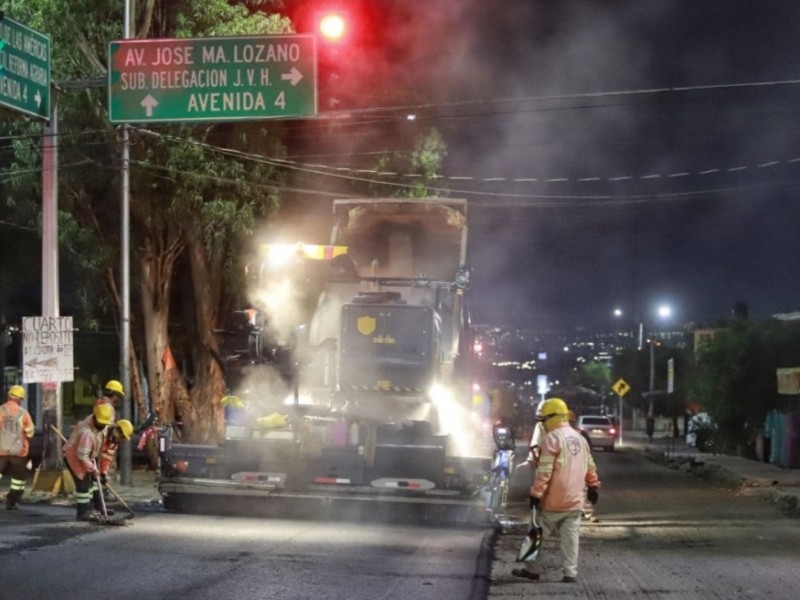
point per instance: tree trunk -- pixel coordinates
(209, 385)
(169, 397)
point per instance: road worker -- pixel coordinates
(82, 451)
(566, 469)
(16, 431)
(537, 435)
(113, 392)
(122, 430)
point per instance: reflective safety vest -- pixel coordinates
(83, 447)
(16, 427)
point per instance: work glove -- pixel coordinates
(534, 501)
(592, 495)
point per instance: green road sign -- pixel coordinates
(212, 79)
(24, 69)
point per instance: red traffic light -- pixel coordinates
(332, 26)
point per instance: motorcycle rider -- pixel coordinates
(16, 430)
(81, 453)
(566, 467)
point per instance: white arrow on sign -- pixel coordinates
(294, 76)
(48, 363)
(38, 98)
(149, 103)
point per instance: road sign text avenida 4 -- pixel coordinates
(212, 79)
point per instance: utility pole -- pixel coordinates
(125, 455)
(51, 405)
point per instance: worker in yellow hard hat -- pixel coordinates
(81, 453)
(16, 431)
(566, 469)
(122, 430)
(112, 393)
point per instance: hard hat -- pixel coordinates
(125, 427)
(273, 421)
(233, 401)
(17, 391)
(551, 408)
(104, 414)
(114, 386)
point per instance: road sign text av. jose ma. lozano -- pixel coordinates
(212, 79)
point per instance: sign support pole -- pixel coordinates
(125, 454)
(51, 407)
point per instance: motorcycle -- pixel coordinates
(502, 468)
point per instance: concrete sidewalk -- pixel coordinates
(775, 484)
(142, 493)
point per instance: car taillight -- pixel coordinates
(612, 431)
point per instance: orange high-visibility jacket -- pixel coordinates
(566, 468)
(83, 447)
(108, 452)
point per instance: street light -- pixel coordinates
(664, 311)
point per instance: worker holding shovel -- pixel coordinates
(566, 469)
(81, 453)
(122, 430)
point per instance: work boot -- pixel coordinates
(12, 499)
(87, 513)
(569, 579)
(525, 574)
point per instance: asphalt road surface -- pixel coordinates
(161, 556)
(665, 534)
(661, 534)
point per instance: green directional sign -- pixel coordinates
(24, 69)
(212, 79)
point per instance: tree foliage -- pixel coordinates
(735, 377)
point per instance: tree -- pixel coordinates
(196, 195)
(205, 204)
(593, 374)
(735, 378)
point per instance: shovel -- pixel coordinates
(529, 549)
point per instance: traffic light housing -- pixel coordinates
(333, 30)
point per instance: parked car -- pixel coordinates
(601, 431)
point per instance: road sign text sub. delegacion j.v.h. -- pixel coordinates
(212, 79)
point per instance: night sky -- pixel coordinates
(615, 154)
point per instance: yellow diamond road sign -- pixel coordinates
(621, 387)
